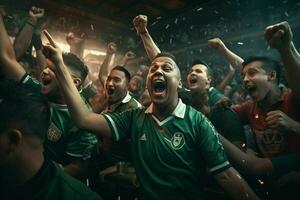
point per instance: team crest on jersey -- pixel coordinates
(54, 134)
(177, 141)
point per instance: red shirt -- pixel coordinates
(271, 142)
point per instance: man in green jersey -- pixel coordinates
(24, 171)
(172, 144)
(65, 143)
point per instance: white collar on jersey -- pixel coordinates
(126, 98)
(179, 111)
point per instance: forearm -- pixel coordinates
(23, 39)
(40, 63)
(226, 81)
(6, 48)
(9, 66)
(104, 68)
(291, 61)
(76, 106)
(235, 60)
(151, 48)
(246, 162)
(234, 185)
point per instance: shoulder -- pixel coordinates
(74, 188)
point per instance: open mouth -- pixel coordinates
(193, 80)
(110, 91)
(46, 82)
(250, 88)
(159, 86)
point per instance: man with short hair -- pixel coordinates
(270, 112)
(65, 143)
(24, 171)
(169, 139)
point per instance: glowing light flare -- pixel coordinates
(63, 46)
(94, 52)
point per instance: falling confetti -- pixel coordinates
(240, 43)
(167, 26)
(199, 9)
(158, 18)
(92, 27)
(216, 12)
(176, 20)
(260, 182)
(286, 14)
(155, 22)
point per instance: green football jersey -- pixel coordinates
(170, 156)
(64, 139)
(120, 150)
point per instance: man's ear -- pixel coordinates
(77, 81)
(15, 138)
(180, 84)
(272, 76)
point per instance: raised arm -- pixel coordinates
(82, 117)
(227, 79)
(40, 58)
(9, 66)
(280, 36)
(235, 60)
(140, 24)
(23, 39)
(232, 182)
(106, 65)
(129, 55)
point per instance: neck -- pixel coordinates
(117, 101)
(163, 111)
(271, 98)
(23, 169)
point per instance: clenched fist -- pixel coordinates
(36, 12)
(111, 48)
(216, 43)
(279, 35)
(140, 24)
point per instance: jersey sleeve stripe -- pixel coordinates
(25, 79)
(220, 166)
(113, 124)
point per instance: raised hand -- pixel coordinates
(130, 55)
(140, 24)
(111, 48)
(279, 35)
(37, 13)
(216, 43)
(52, 51)
(279, 120)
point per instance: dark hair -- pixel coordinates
(269, 64)
(201, 62)
(24, 108)
(75, 65)
(124, 70)
(166, 54)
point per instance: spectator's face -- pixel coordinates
(256, 80)
(163, 80)
(135, 84)
(116, 86)
(48, 80)
(198, 79)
